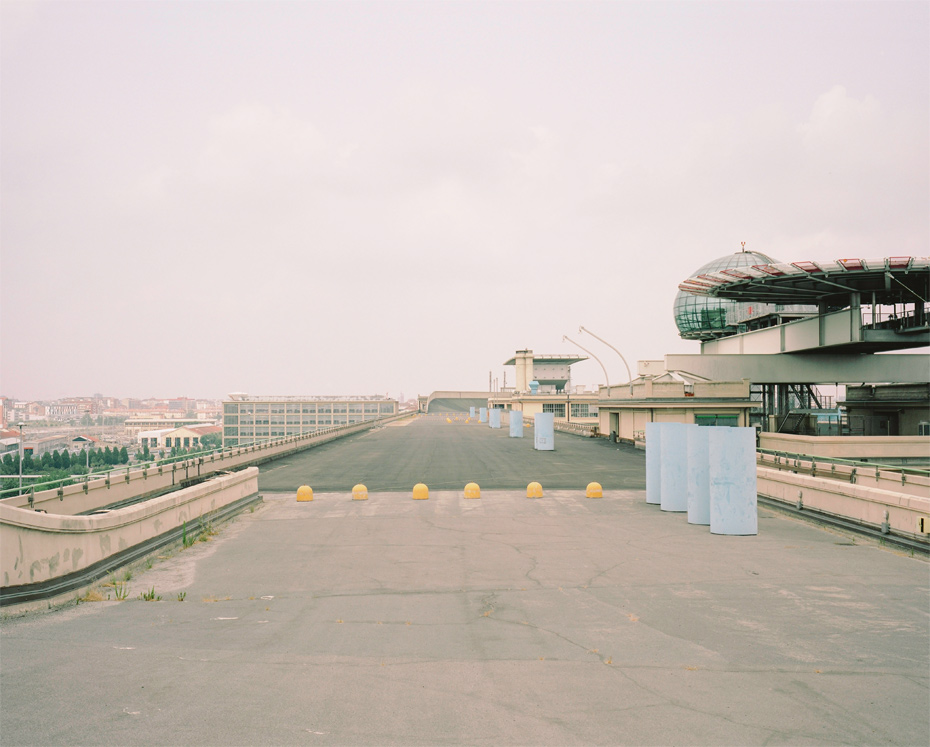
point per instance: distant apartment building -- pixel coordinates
(71, 408)
(248, 419)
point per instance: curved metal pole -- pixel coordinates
(628, 372)
(606, 379)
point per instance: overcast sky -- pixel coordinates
(371, 198)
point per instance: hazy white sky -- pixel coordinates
(354, 197)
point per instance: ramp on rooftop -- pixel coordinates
(448, 401)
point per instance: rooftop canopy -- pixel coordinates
(891, 280)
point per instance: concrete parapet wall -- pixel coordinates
(37, 547)
(894, 480)
(848, 447)
(862, 503)
(128, 483)
(588, 430)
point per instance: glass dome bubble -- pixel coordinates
(704, 317)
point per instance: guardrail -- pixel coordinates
(149, 479)
(889, 499)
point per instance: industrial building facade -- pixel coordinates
(250, 419)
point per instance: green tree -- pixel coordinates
(124, 456)
(211, 441)
(45, 463)
(8, 466)
(56, 460)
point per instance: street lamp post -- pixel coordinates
(606, 378)
(628, 372)
(21, 453)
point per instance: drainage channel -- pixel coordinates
(818, 517)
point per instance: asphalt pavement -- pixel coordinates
(447, 455)
(501, 620)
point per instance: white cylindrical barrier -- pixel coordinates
(494, 418)
(516, 424)
(471, 412)
(732, 475)
(674, 467)
(653, 460)
(483, 415)
(698, 476)
(544, 431)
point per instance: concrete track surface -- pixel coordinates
(502, 620)
(446, 456)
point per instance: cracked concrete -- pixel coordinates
(496, 621)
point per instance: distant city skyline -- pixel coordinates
(347, 198)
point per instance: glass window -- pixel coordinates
(277, 419)
(246, 408)
(230, 431)
(580, 410)
(387, 408)
(230, 441)
(230, 419)
(371, 407)
(261, 408)
(309, 408)
(293, 419)
(554, 407)
(324, 408)
(231, 409)
(339, 407)
(293, 407)
(355, 407)
(726, 420)
(324, 419)
(277, 407)
(339, 419)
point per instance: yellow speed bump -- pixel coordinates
(420, 492)
(304, 493)
(359, 493)
(472, 490)
(534, 490)
(594, 490)
(448, 420)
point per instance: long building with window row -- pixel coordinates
(250, 419)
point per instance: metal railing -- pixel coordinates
(794, 460)
(123, 471)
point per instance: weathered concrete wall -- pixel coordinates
(862, 503)
(894, 480)
(36, 547)
(848, 447)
